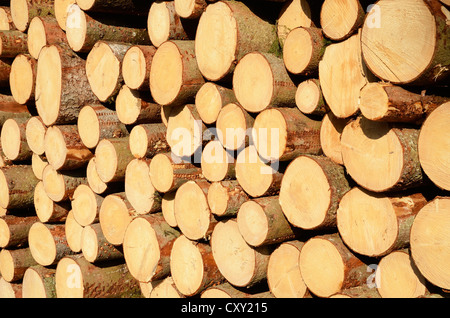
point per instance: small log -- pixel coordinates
(147, 246)
(226, 197)
(309, 177)
(168, 173)
(14, 230)
(241, 264)
(112, 156)
(136, 66)
(77, 278)
(22, 79)
(303, 49)
(261, 222)
(341, 19)
(103, 68)
(135, 107)
(13, 43)
(174, 75)
(433, 149)
(328, 266)
(210, 99)
(86, 205)
(234, 125)
(23, 11)
(139, 189)
(391, 103)
(168, 208)
(38, 164)
(429, 241)
(192, 266)
(47, 210)
(382, 226)
(35, 134)
(261, 80)
(73, 231)
(284, 133)
(39, 282)
(381, 156)
(217, 163)
(190, 9)
(60, 185)
(218, 50)
(83, 30)
(283, 272)
(62, 85)
(398, 277)
(330, 136)
(14, 141)
(194, 218)
(14, 263)
(44, 31)
(48, 243)
(293, 14)
(64, 148)
(17, 183)
(309, 98)
(164, 24)
(147, 140)
(96, 122)
(95, 247)
(255, 176)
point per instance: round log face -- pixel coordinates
(158, 23)
(21, 79)
(55, 147)
(215, 161)
(75, 27)
(68, 279)
(6, 265)
(216, 40)
(434, 146)
(161, 172)
(35, 135)
(253, 82)
(42, 244)
(232, 127)
(297, 50)
(74, 230)
(84, 205)
(134, 70)
(139, 189)
(33, 286)
(114, 218)
(106, 160)
(19, 14)
(367, 223)
(208, 102)
(89, 243)
(10, 138)
(395, 58)
(61, 10)
(252, 223)
(141, 249)
(339, 18)
(36, 37)
(48, 84)
(88, 127)
(430, 241)
(43, 204)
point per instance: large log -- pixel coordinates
(62, 85)
(376, 224)
(401, 50)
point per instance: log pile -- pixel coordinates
(200, 148)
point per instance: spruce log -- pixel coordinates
(13, 43)
(39, 282)
(341, 19)
(401, 50)
(210, 99)
(95, 247)
(328, 266)
(111, 159)
(86, 205)
(23, 11)
(64, 148)
(234, 125)
(96, 122)
(136, 66)
(35, 134)
(77, 278)
(14, 263)
(380, 156)
(241, 264)
(293, 14)
(73, 231)
(60, 185)
(17, 183)
(168, 173)
(104, 68)
(387, 102)
(192, 213)
(44, 31)
(226, 197)
(429, 241)
(330, 136)
(434, 147)
(139, 189)
(147, 140)
(48, 243)
(62, 86)
(261, 222)
(147, 245)
(22, 79)
(14, 141)
(83, 30)
(261, 80)
(225, 33)
(38, 164)
(309, 98)
(308, 177)
(47, 210)
(174, 75)
(9, 108)
(376, 224)
(135, 107)
(10, 290)
(14, 230)
(61, 8)
(217, 163)
(281, 134)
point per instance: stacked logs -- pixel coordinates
(224, 149)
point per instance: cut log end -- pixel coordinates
(216, 162)
(114, 217)
(75, 27)
(94, 181)
(84, 205)
(11, 139)
(88, 127)
(35, 135)
(341, 18)
(135, 68)
(253, 223)
(68, 279)
(233, 125)
(42, 244)
(139, 189)
(161, 173)
(298, 50)
(22, 78)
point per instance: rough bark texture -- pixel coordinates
(17, 228)
(21, 182)
(13, 43)
(47, 276)
(234, 194)
(156, 140)
(105, 250)
(21, 260)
